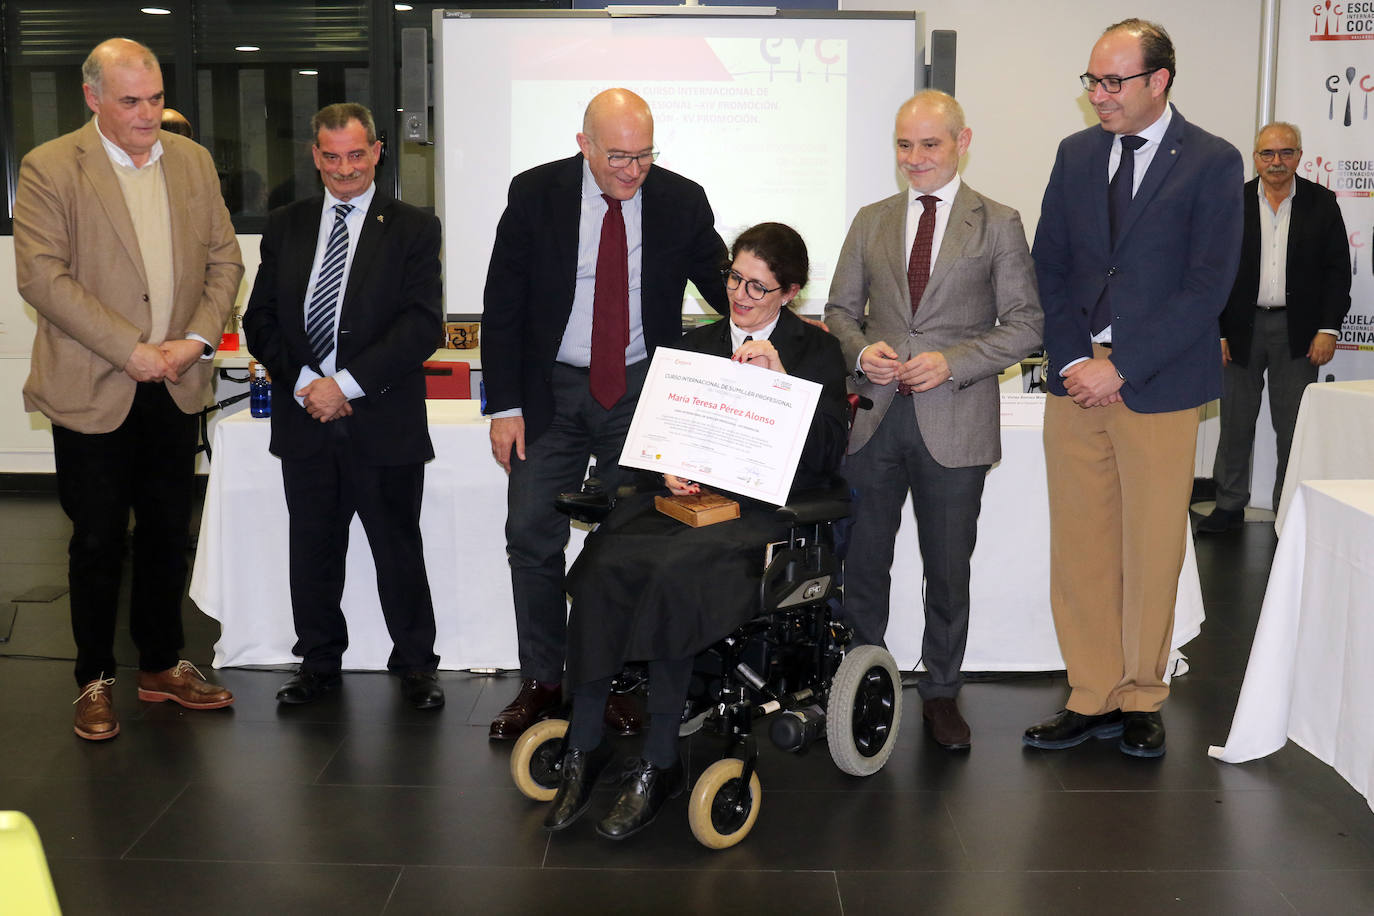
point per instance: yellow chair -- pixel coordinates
(25, 885)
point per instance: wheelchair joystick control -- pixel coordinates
(797, 729)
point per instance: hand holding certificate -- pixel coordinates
(729, 425)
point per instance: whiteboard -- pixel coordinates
(778, 117)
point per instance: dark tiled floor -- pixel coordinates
(359, 805)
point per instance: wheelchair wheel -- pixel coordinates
(535, 760)
(864, 711)
(721, 811)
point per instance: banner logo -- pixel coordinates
(1349, 99)
(1349, 21)
(1344, 177)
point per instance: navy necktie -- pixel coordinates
(319, 318)
(1119, 193)
(1122, 186)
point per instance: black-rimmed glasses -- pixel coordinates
(753, 288)
(1111, 84)
(1267, 155)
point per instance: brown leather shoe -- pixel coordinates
(183, 684)
(622, 716)
(531, 703)
(95, 715)
(946, 725)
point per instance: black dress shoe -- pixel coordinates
(577, 778)
(306, 686)
(532, 702)
(1069, 729)
(1142, 734)
(1221, 520)
(422, 689)
(645, 789)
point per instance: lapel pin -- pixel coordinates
(381, 218)
(1172, 152)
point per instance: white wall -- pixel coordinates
(1017, 79)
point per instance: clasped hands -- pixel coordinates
(924, 371)
(168, 360)
(1093, 382)
(324, 400)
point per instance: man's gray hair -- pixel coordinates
(123, 51)
(1284, 125)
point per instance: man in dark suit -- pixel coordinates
(930, 366)
(1135, 252)
(1284, 314)
(124, 249)
(345, 308)
(587, 275)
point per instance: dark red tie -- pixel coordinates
(918, 268)
(610, 309)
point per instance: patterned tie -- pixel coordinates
(610, 309)
(319, 318)
(1120, 190)
(918, 267)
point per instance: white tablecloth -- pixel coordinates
(1333, 438)
(1311, 665)
(240, 575)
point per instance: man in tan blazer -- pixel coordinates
(933, 296)
(124, 248)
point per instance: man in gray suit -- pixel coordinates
(933, 296)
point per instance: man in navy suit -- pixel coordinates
(1136, 249)
(587, 275)
(1284, 314)
(344, 311)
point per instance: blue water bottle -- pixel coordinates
(260, 392)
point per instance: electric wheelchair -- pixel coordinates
(793, 662)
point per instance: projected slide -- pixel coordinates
(764, 114)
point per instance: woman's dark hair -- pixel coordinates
(778, 246)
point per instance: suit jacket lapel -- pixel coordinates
(99, 171)
(892, 239)
(375, 227)
(958, 230)
(1298, 215)
(1096, 186)
(174, 176)
(305, 227)
(565, 216)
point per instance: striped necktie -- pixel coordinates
(319, 318)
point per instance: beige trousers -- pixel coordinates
(1119, 487)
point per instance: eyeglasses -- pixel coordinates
(753, 288)
(619, 160)
(1267, 155)
(1111, 84)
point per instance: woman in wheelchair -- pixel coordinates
(649, 588)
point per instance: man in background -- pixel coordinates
(1285, 312)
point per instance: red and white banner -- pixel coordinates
(1325, 80)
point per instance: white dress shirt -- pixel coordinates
(354, 221)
